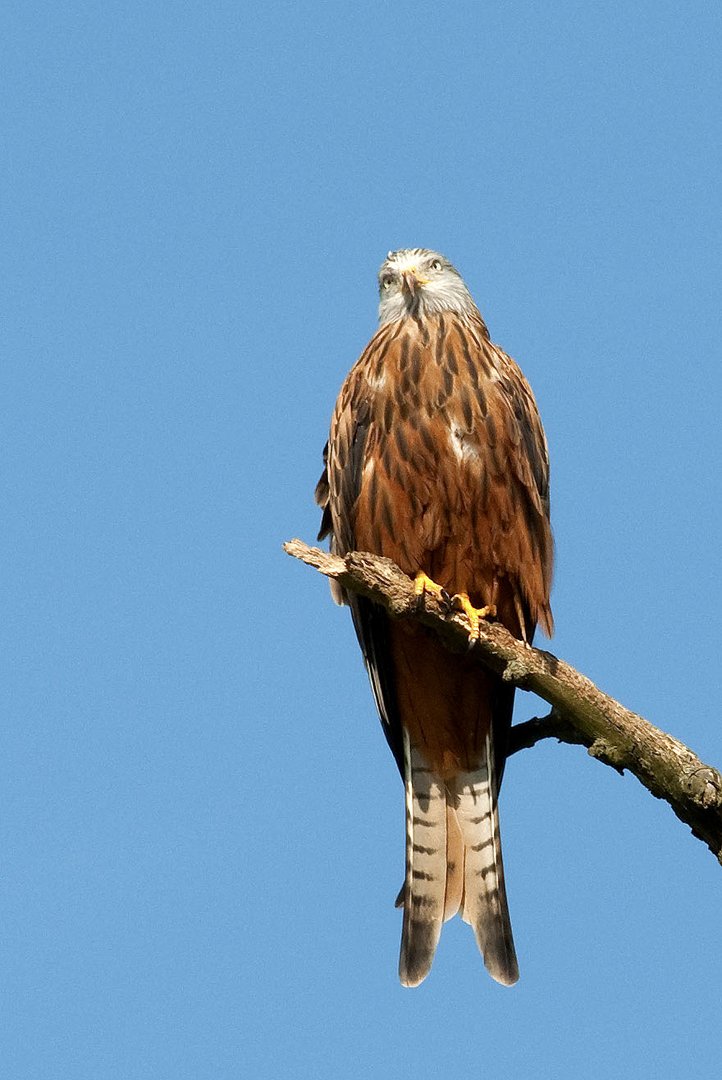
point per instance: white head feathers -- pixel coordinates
(416, 281)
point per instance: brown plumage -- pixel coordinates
(437, 459)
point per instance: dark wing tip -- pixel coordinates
(322, 495)
(326, 524)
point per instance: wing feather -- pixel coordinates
(345, 459)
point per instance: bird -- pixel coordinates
(437, 459)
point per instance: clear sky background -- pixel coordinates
(201, 825)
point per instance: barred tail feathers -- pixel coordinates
(485, 904)
(453, 864)
(424, 891)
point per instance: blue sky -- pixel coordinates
(202, 828)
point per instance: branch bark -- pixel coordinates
(581, 713)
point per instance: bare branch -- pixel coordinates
(581, 712)
(552, 726)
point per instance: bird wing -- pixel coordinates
(337, 492)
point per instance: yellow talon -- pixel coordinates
(423, 584)
(462, 602)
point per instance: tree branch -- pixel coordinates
(581, 713)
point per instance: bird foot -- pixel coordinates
(423, 585)
(461, 602)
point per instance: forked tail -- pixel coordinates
(453, 863)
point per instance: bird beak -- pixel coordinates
(411, 281)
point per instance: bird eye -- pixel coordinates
(387, 281)
(436, 265)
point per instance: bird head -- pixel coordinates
(416, 281)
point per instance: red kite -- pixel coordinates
(437, 459)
